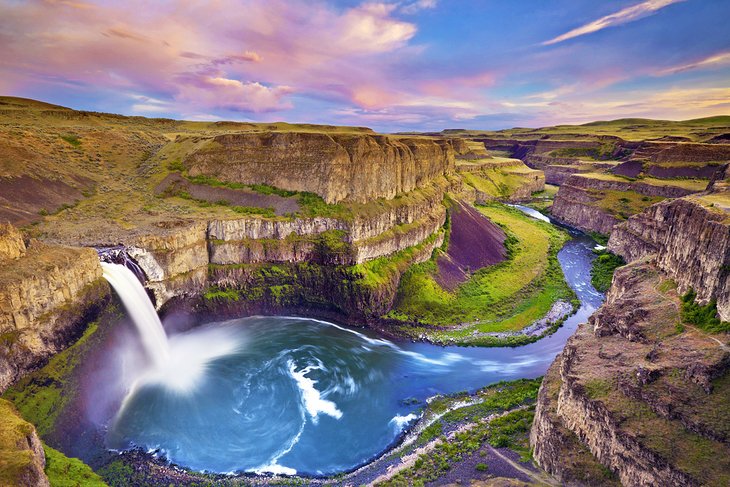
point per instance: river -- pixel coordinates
(297, 395)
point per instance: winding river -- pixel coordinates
(296, 395)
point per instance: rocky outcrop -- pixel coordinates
(576, 207)
(22, 460)
(11, 243)
(176, 257)
(502, 179)
(683, 152)
(690, 242)
(336, 291)
(46, 298)
(352, 167)
(581, 200)
(648, 400)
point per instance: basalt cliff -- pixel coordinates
(347, 167)
(640, 393)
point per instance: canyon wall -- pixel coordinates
(690, 242)
(176, 258)
(47, 294)
(352, 167)
(580, 200)
(22, 460)
(501, 179)
(636, 396)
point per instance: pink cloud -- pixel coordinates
(623, 16)
(243, 56)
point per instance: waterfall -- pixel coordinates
(140, 308)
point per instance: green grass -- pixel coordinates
(499, 183)
(602, 153)
(310, 204)
(220, 294)
(42, 395)
(509, 430)
(72, 139)
(63, 471)
(598, 388)
(15, 454)
(622, 204)
(704, 317)
(504, 297)
(603, 268)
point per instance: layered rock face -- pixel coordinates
(577, 203)
(46, 295)
(644, 394)
(648, 400)
(22, 460)
(348, 167)
(503, 179)
(176, 259)
(691, 244)
(11, 243)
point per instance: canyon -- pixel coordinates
(402, 234)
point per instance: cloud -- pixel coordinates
(232, 94)
(716, 60)
(410, 8)
(225, 58)
(623, 16)
(673, 104)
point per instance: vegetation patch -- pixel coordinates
(72, 139)
(704, 317)
(501, 417)
(603, 268)
(503, 297)
(63, 471)
(42, 395)
(499, 183)
(604, 152)
(622, 204)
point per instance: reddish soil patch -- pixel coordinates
(174, 183)
(630, 169)
(701, 172)
(23, 197)
(474, 242)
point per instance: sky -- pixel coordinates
(398, 65)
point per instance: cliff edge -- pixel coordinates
(640, 394)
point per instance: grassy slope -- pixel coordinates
(116, 162)
(504, 297)
(636, 129)
(511, 402)
(623, 204)
(40, 396)
(63, 471)
(15, 455)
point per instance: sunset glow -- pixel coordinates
(398, 65)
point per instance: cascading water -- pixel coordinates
(140, 308)
(177, 363)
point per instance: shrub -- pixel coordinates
(72, 139)
(704, 317)
(603, 268)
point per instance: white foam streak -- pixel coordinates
(313, 401)
(401, 422)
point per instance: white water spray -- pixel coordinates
(138, 305)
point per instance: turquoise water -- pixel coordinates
(297, 395)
